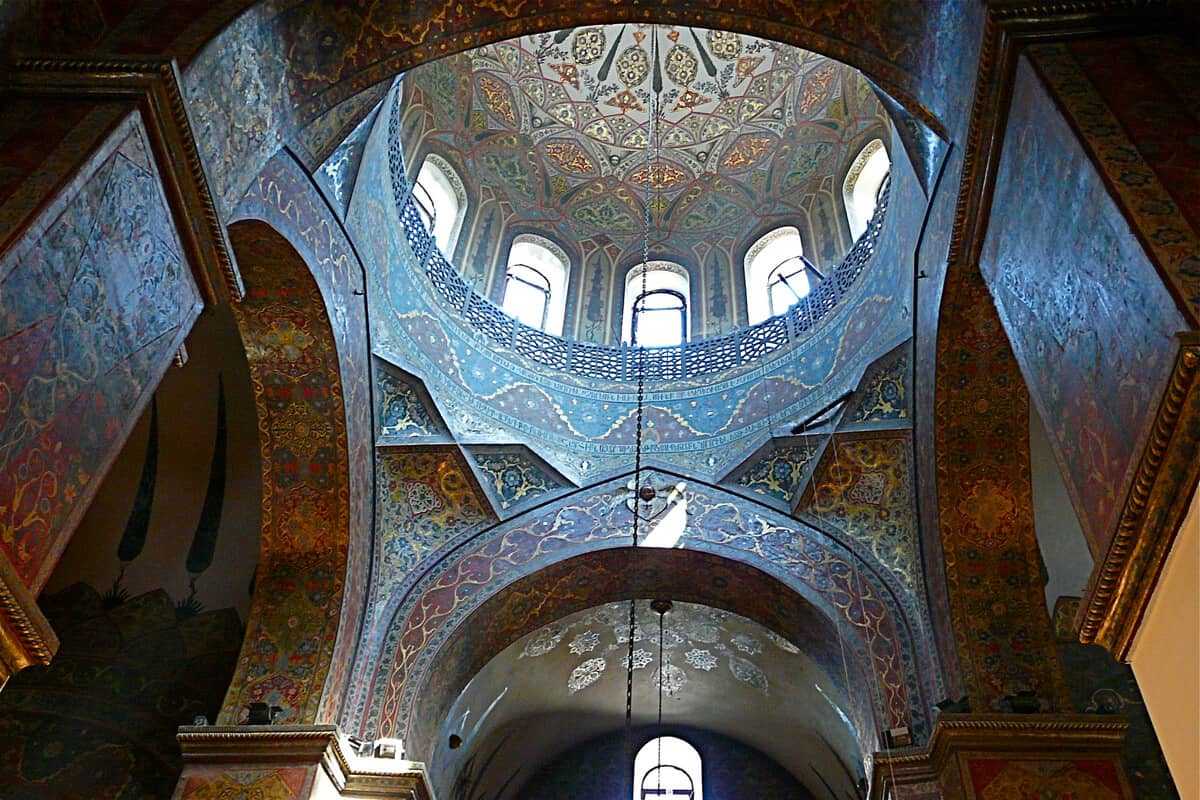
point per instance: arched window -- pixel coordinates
(441, 201)
(669, 768)
(777, 274)
(656, 309)
(535, 284)
(860, 191)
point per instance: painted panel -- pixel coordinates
(1090, 321)
(1065, 779)
(1133, 103)
(271, 783)
(94, 302)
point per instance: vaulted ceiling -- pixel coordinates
(555, 126)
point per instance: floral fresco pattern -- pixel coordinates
(91, 313)
(305, 537)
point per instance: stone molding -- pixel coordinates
(154, 86)
(1040, 736)
(26, 637)
(1121, 585)
(249, 747)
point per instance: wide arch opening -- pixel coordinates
(558, 664)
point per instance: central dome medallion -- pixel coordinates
(600, 83)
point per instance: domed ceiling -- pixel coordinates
(556, 125)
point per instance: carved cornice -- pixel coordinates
(254, 743)
(1033, 737)
(26, 637)
(1155, 507)
(1010, 25)
(154, 85)
(324, 746)
(1059, 12)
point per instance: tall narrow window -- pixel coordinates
(441, 201)
(656, 309)
(667, 768)
(860, 191)
(777, 274)
(535, 284)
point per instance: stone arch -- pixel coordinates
(291, 633)
(593, 578)
(841, 588)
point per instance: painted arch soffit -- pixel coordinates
(823, 570)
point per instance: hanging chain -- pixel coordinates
(641, 402)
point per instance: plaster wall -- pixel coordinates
(1060, 539)
(187, 423)
(1166, 657)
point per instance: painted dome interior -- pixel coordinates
(550, 138)
(322, 396)
(551, 134)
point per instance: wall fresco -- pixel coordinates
(337, 174)
(885, 392)
(1091, 324)
(288, 200)
(303, 565)
(427, 498)
(779, 471)
(334, 52)
(404, 412)
(318, 140)
(578, 583)
(514, 478)
(1128, 101)
(94, 303)
(863, 488)
(1001, 627)
(544, 129)
(101, 720)
(585, 427)
(932, 258)
(719, 523)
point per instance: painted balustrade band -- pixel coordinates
(691, 359)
